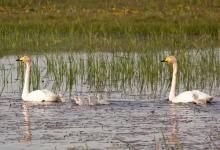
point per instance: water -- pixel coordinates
(135, 119)
(121, 125)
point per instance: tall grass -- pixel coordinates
(17, 39)
(41, 26)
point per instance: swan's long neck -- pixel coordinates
(26, 79)
(173, 84)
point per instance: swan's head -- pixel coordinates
(24, 59)
(170, 59)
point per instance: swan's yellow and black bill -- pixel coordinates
(168, 59)
(21, 58)
(18, 59)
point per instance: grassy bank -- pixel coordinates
(118, 25)
(39, 26)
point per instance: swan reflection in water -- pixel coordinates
(173, 140)
(27, 135)
(170, 141)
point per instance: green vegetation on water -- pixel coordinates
(126, 73)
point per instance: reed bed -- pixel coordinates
(128, 73)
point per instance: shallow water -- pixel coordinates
(121, 125)
(131, 121)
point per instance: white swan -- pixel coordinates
(38, 95)
(194, 96)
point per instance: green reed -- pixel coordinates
(134, 71)
(140, 73)
(57, 68)
(35, 77)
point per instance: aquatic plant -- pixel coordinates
(140, 73)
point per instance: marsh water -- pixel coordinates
(136, 85)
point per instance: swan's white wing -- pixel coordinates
(184, 97)
(201, 97)
(41, 95)
(194, 96)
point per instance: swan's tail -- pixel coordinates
(61, 98)
(209, 99)
(204, 101)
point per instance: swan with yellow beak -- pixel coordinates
(194, 96)
(38, 95)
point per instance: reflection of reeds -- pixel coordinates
(127, 144)
(165, 143)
